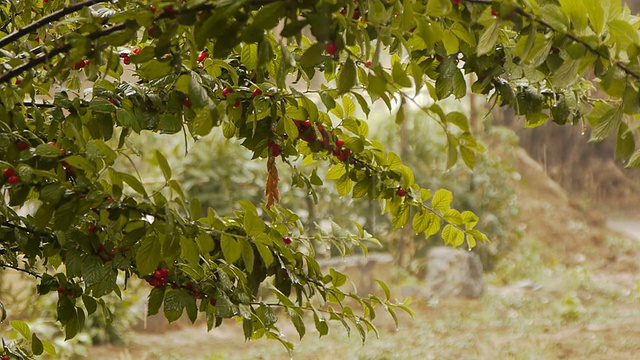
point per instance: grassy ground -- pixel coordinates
(566, 290)
(535, 307)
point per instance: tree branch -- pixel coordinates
(6, 77)
(591, 49)
(27, 230)
(46, 20)
(34, 274)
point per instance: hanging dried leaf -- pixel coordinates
(272, 192)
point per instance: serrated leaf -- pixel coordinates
(452, 235)
(347, 77)
(253, 225)
(344, 185)
(249, 56)
(442, 200)
(230, 248)
(290, 128)
(625, 144)
(149, 255)
(488, 38)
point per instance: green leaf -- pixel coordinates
(452, 235)
(290, 128)
(48, 348)
(156, 297)
(347, 77)
(22, 328)
(249, 56)
(135, 184)
(385, 288)
(344, 185)
(451, 43)
(46, 150)
(604, 119)
(149, 255)
(625, 144)
(36, 345)
(269, 15)
(312, 55)
(164, 165)
(230, 248)
(253, 225)
(399, 75)
(442, 200)
(297, 322)
(488, 38)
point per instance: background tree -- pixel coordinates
(78, 79)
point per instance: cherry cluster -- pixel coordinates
(11, 176)
(126, 57)
(326, 141)
(159, 278)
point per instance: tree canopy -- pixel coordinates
(293, 81)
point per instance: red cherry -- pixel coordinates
(126, 60)
(343, 11)
(226, 91)
(51, 143)
(113, 101)
(136, 51)
(276, 150)
(188, 285)
(60, 291)
(401, 192)
(37, 39)
(212, 301)
(79, 65)
(169, 9)
(157, 274)
(64, 164)
(150, 30)
(92, 229)
(152, 8)
(45, 1)
(256, 92)
(339, 143)
(494, 13)
(439, 58)
(203, 55)
(356, 14)
(237, 104)
(286, 240)
(368, 63)
(22, 145)
(307, 123)
(457, 1)
(154, 282)
(14, 179)
(164, 272)
(18, 81)
(187, 103)
(8, 172)
(86, 62)
(330, 48)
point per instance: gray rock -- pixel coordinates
(453, 273)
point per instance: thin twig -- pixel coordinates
(34, 274)
(46, 20)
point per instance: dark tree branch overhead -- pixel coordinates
(6, 77)
(46, 20)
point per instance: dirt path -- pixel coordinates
(628, 226)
